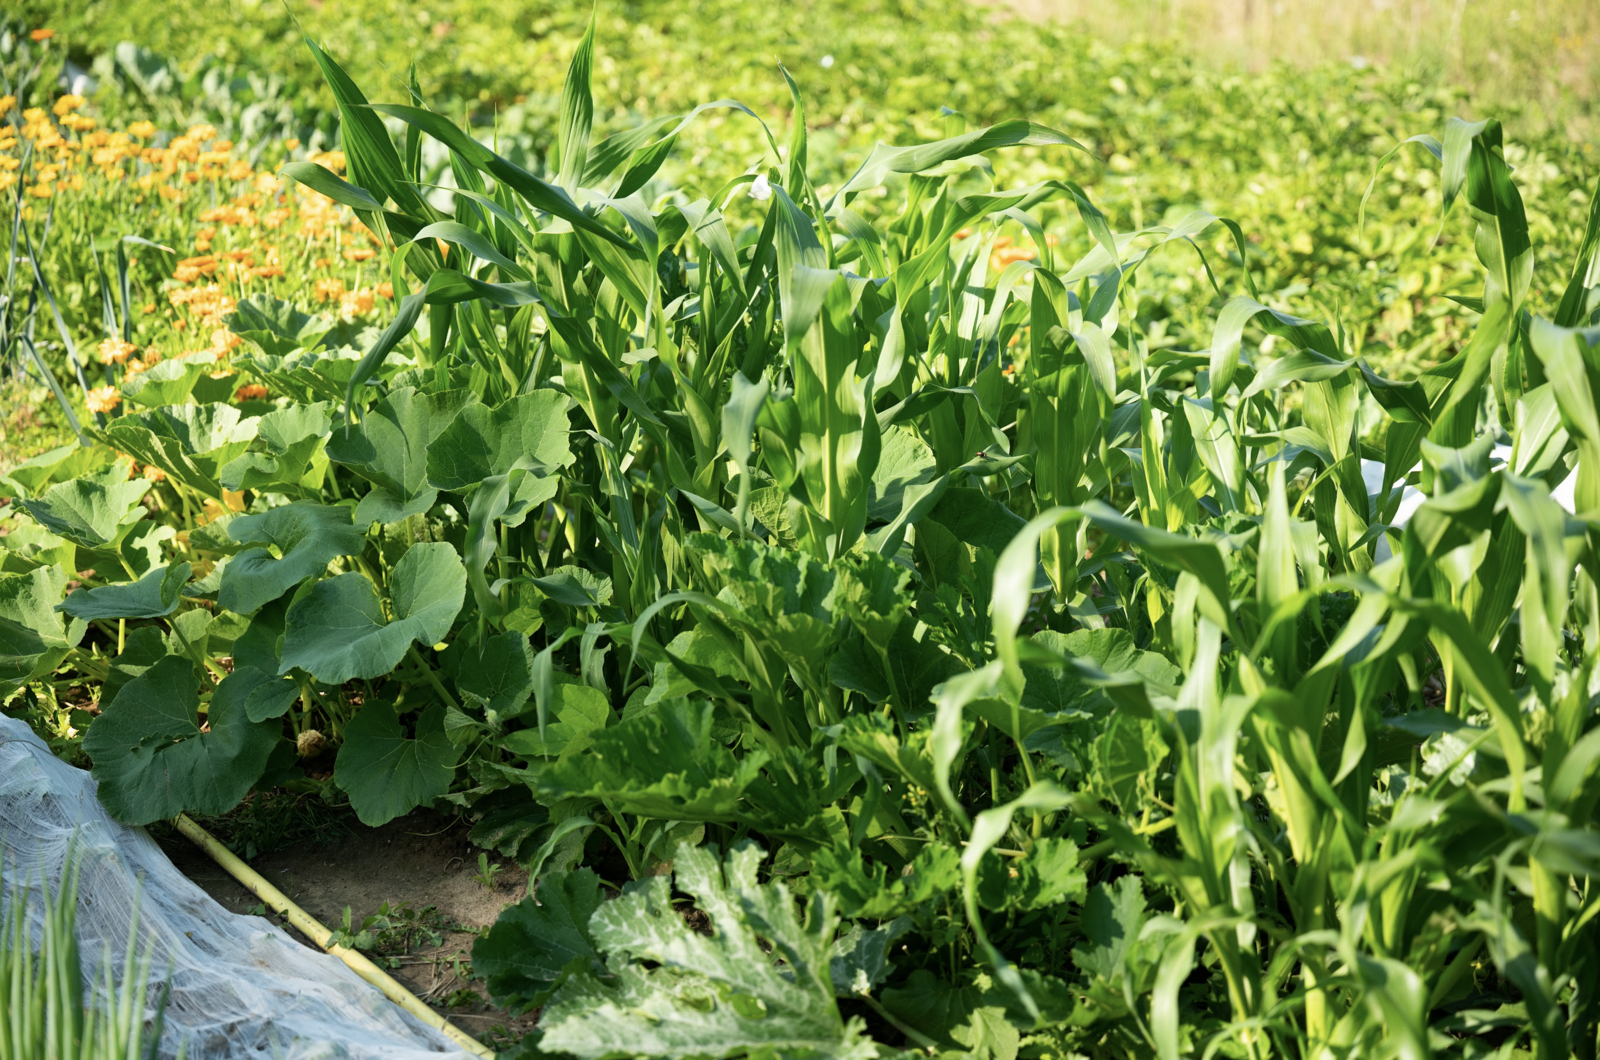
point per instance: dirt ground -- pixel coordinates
(419, 861)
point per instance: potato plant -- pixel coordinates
(994, 675)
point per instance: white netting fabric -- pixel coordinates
(240, 986)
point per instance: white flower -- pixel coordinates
(827, 62)
(762, 188)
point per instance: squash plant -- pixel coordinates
(995, 674)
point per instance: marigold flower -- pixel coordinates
(328, 290)
(103, 398)
(359, 254)
(41, 34)
(115, 350)
(6, 103)
(67, 104)
(40, 191)
(153, 473)
(385, 290)
(250, 392)
(267, 272)
(148, 309)
(356, 304)
(199, 133)
(142, 129)
(292, 143)
(223, 339)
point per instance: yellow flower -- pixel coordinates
(328, 290)
(103, 398)
(6, 103)
(142, 129)
(67, 104)
(355, 304)
(359, 254)
(115, 351)
(250, 392)
(291, 144)
(39, 35)
(198, 133)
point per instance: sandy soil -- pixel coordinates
(418, 861)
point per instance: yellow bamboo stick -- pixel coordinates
(312, 929)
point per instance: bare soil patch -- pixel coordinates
(417, 874)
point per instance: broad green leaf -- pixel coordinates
(92, 511)
(706, 995)
(156, 595)
(33, 638)
(168, 383)
(191, 443)
(661, 763)
(153, 761)
(386, 773)
(389, 448)
(499, 671)
(287, 453)
(532, 946)
(527, 432)
(307, 537)
(339, 631)
(277, 326)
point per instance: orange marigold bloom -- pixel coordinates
(153, 473)
(224, 339)
(199, 133)
(360, 254)
(385, 290)
(250, 392)
(292, 143)
(41, 35)
(6, 103)
(328, 290)
(356, 303)
(142, 129)
(267, 272)
(115, 350)
(67, 104)
(103, 398)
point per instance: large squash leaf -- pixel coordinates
(389, 448)
(338, 631)
(387, 773)
(761, 984)
(153, 760)
(307, 536)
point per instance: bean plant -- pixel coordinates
(993, 674)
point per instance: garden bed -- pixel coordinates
(416, 873)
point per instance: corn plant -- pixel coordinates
(996, 674)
